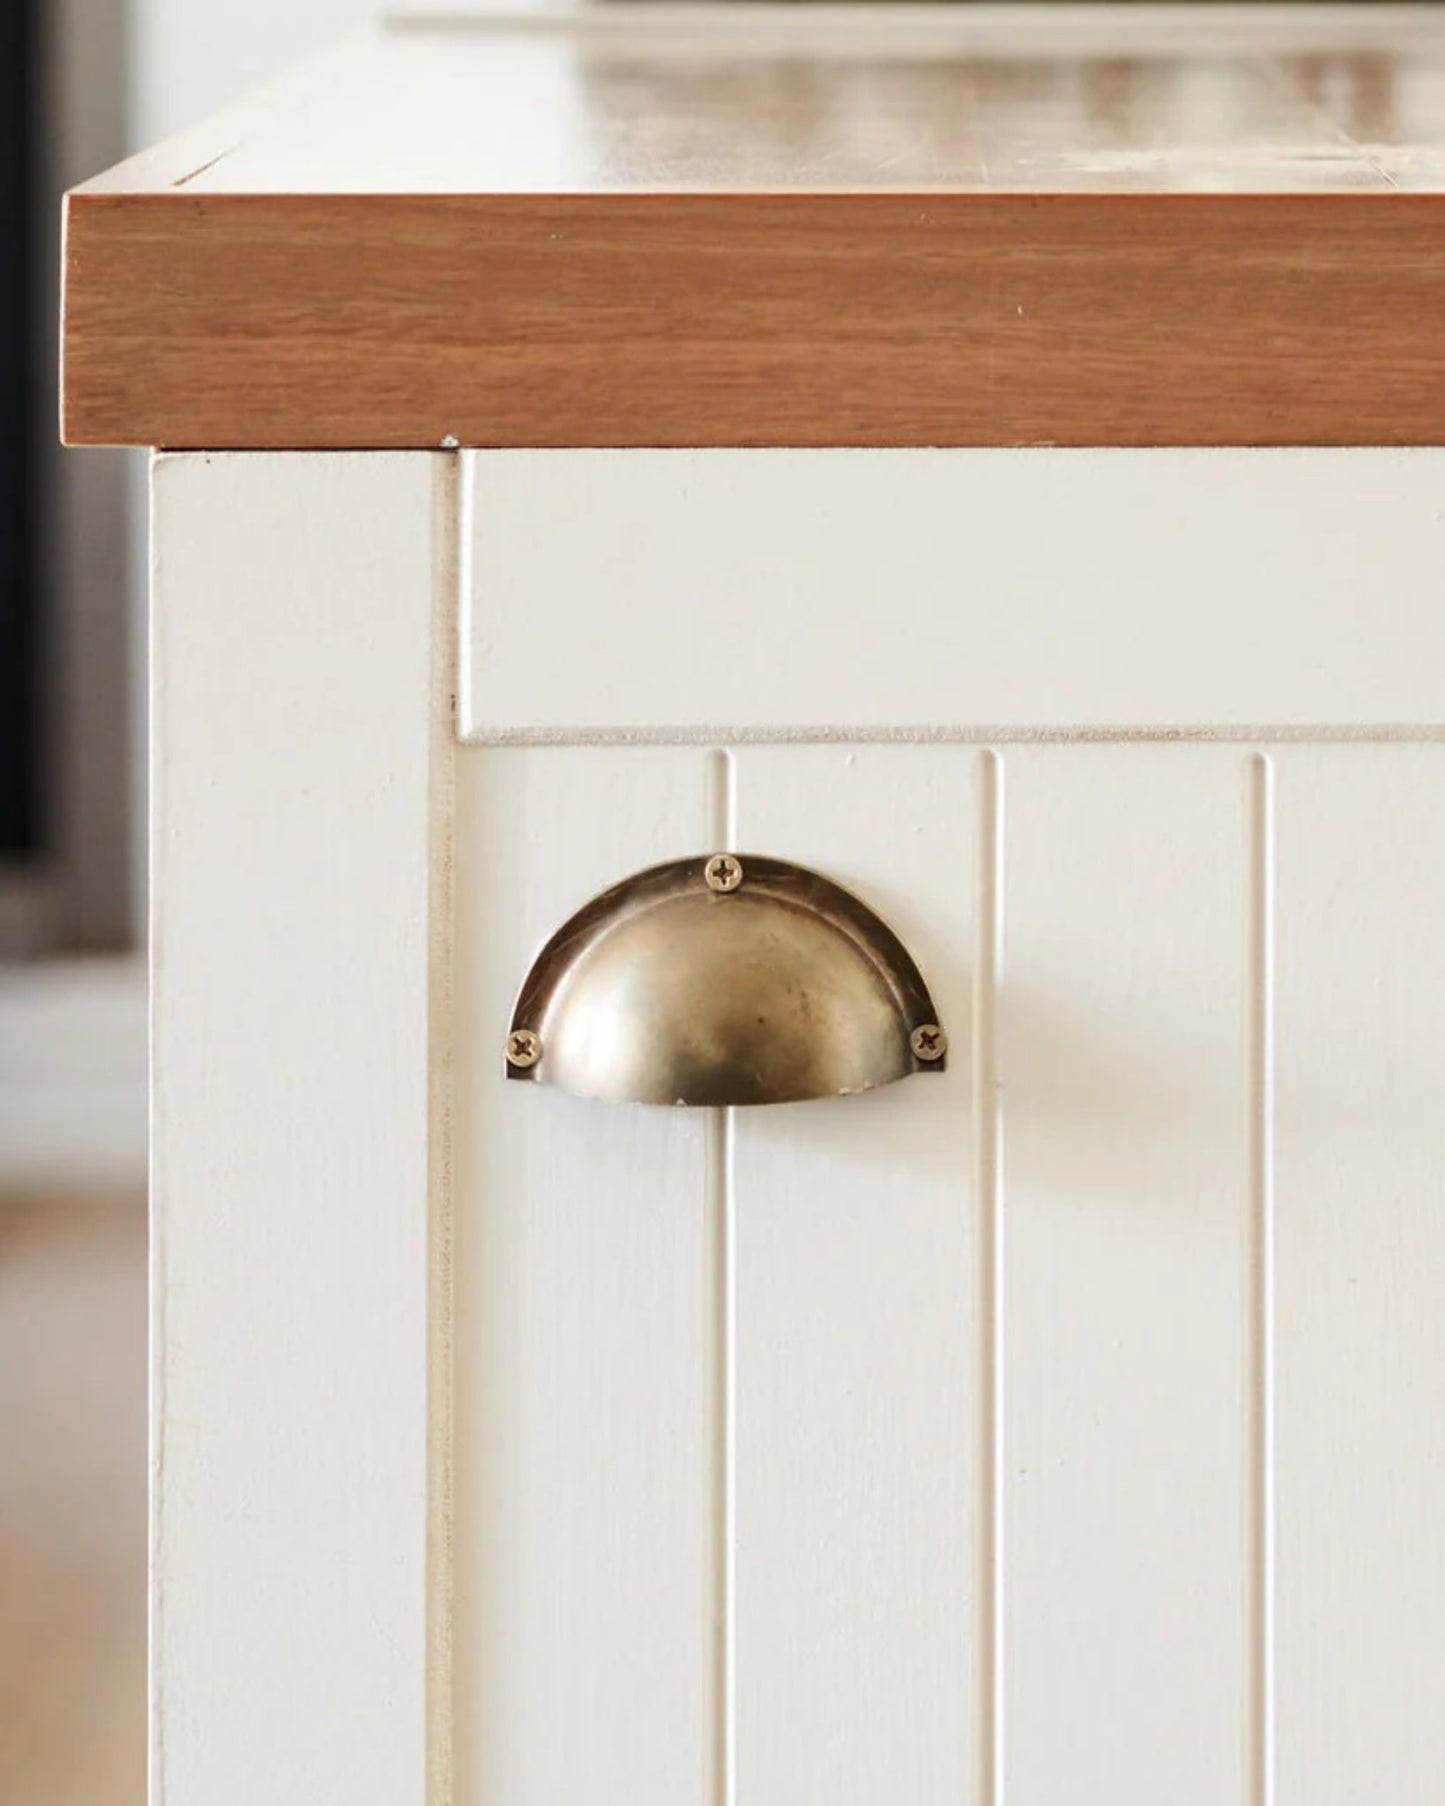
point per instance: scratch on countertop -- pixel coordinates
(201, 168)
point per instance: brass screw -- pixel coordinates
(524, 1049)
(723, 872)
(928, 1042)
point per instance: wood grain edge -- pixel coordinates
(241, 321)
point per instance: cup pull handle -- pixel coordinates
(724, 978)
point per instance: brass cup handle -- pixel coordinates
(724, 978)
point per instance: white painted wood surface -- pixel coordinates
(711, 593)
(585, 1544)
(1065, 1428)
(295, 876)
(1123, 1061)
(1037, 1470)
(1359, 1375)
(862, 1464)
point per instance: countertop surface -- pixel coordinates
(644, 223)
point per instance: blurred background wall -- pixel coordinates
(191, 56)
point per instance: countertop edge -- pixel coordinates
(234, 321)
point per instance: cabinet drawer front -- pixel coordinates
(756, 593)
(1010, 1434)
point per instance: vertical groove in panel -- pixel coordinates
(988, 1188)
(441, 1588)
(1259, 1365)
(721, 801)
(462, 629)
(721, 1370)
(720, 1790)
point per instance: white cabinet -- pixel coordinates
(1068, 1427)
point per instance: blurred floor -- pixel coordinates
(72, 1499)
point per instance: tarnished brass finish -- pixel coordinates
(723, 979)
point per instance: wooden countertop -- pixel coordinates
(623, 224)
